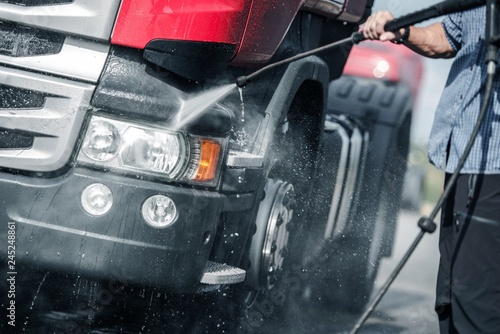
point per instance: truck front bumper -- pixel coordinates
(53, 232)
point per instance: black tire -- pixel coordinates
(358, 256)
(291, 158)
(349, 267)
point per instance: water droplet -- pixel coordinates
(240, 90)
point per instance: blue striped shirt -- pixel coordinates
(459, 105)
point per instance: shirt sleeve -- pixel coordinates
(452, 25)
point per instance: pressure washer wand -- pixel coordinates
(354, 39)
(427, 224)
(439, 9)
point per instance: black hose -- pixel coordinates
(427, 224)
(453, 179)
(244, 80)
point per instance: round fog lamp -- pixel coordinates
(159, 211)
(97, 199)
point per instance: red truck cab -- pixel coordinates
(241, 32)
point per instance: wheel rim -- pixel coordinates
(270, 242)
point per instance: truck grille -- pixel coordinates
(12, 140)
(18, 98)
(93, 19)
(36, 2)
(41, 117)
(20, 41)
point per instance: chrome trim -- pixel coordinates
(90, 18)
(350, 167)
(244, 159)
(339, 182)
(79, 59)
(350, 182)
(55, 127)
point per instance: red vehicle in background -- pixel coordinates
(386, 61)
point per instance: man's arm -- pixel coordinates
(428, 41)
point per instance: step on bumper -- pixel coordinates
(219, 273)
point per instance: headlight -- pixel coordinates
(102, 141)
(142, 149)
(153, 151)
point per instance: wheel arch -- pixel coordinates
(302, 91)
(278, 92)
(299, 103)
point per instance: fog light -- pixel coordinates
(159, 211)
(97, 199)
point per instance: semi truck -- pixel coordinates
(142, 190)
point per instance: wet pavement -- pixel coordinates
(406, 308)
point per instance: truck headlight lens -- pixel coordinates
(102, 141)
(153, 151)
(150, 150)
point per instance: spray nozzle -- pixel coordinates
(357, 38)
(242, 81)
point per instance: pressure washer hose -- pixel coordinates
(426, 224)
(354, 39)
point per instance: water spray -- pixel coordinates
(195, 106)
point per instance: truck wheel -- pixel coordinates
(277, 244)
(356, 262)
(350, 266)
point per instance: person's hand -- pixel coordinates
(374, 27)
